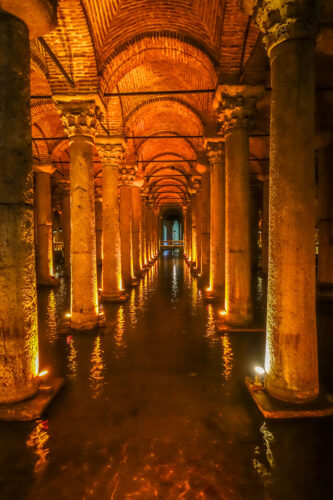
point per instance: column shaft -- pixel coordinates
(291, 346)
(325, 218)
(205, 227)
(44, 243)
(98, 225)
(66, 229)
(136, 230)
(18, 299)
(125, 234)
(84, 298)
(111, 271)
(264, 233)
(238, 302)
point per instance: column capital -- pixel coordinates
(65, 186)
(283, 20)
(79, 117)
(110, 150)
(127, 175)
(43, 167)
(235, 105)
(215, 150)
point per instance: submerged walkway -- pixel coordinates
(155, 407)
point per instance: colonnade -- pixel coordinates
(217, 240)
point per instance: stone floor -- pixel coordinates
(155, 406)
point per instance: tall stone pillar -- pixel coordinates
(66, 225)
(189, 232)
(19, 362)
(126, 226)
(136, 230)
(194, 256)
(144, 232)
(325, 222)
(235, 107)
(205, 227)
(291, 345)
(185, 230)
(80, 122)
(264, 178)
(111, 155)
(215, 151)
(44, 233)
(198, 216)
(98, 226)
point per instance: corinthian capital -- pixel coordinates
(80, 118)
(235, 105)
(110, 150)
(215, 151)
(127, 175)
(282, 20)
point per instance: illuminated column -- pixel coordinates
(205, 226)
(111, 155)
(44, 236)
(189, 232)
(136, 230)
(126, 225)
(325, 222)
(80, 122)
(185, 230)
(236, 105)
(265, 208)
(291, 344)
(144, 231)
(198, 214)
(215, 151)
(194, 257)
(98, 225)
(18, 299)
(66, 225)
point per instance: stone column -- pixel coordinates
(19, 362)
(98, 225)
(144, 232)
(126, 226)
(264, 178)
(205, 227)
(80, 120)
(136, 230)
(325, 222)
(66, 225)
(291, 345)
(189, 232)
(194, 256)
(111, 155)
(198, 216)
(215, 151)
(235, 107)
(185, 231)
(44, 233)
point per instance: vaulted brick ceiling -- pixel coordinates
(113, 46)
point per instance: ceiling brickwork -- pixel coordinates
(123, 46)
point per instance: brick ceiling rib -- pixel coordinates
(114, 23)
(71, 43)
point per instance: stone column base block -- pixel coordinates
(83, 321)
(34, 407)
(271, 408)
(239, 318)
(222, 326)
(325, 292)
(50, 281)
(109, 297)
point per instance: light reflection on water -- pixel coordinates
(71, 358)
(51, 313)
(38, 440)
(166, 434)
(97, 368)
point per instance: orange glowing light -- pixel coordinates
(68, 315)
(43, 373)
(222, 313)
(208, 289)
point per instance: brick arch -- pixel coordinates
(154, 47)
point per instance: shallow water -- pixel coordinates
(155, 406)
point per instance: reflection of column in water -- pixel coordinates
(132, 308)
(51, 317)
(227, 356)
(194, 295)
(71, 358)
(119, 334)
(263, 462)
(38, 440)
(97, 369)
(141, 295)
(174, 282)
(210, 333)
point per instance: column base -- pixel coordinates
(50, 281)
(34, 407)
(133, 283)
(271, 408)
(121, 297)
(84, 325)
(211, 296)
(238, 319)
